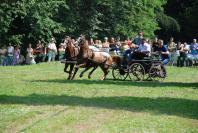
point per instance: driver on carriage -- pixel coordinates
(137, 52)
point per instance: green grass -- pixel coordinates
(39, 99)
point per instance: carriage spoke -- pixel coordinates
(119, 74)
(136, 71)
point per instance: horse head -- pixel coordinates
(81, 40)
(67, 40)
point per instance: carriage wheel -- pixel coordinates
(136, 72)
(120, 74)
(157, 73)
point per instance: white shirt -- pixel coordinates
(144, 48)
(52, 46)
(10, 51)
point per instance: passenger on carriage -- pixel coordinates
(138, 39)
(144, 48)
(163, 52)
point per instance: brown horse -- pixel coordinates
(89, 58)
(71, 53)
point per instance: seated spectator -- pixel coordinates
(52, 50)
(193, 56)
(163, 51)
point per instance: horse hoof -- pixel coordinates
(66, 71)
(103, 78)
(89, 77)
(81, 76)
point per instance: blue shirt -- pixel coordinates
(193, 48)
(163, 49)
(137, 41)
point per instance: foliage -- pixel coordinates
(186, 13)
(169, 26)
(41, 19)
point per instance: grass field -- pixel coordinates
(39, 99)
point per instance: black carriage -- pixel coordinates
(140, 68)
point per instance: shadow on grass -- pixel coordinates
(123, 83)
(170, 106)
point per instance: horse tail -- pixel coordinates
(116, 59)
(109, 61)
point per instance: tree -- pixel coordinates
(23, 21)
(186, 14)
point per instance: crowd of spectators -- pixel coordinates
(178, 54)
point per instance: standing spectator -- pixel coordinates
(73, 41)
(44, 51)
(113, 47)
(91, 42)
(10, 55)
(38, 52)
(52, 50)
(183, 55)
(128, 41)
(99, 44)
(16, 55)
(164, 52)
(96, 42)
(61, 52)
(29, 55)
(193, 56)
(105, 45)
(138, 39)
(3, 58)
(178, 49)
(172, 50)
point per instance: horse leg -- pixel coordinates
(66, 66)
(95, 67)
(86, 69)
(76, 70)
(105, 70)
(70, 71)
